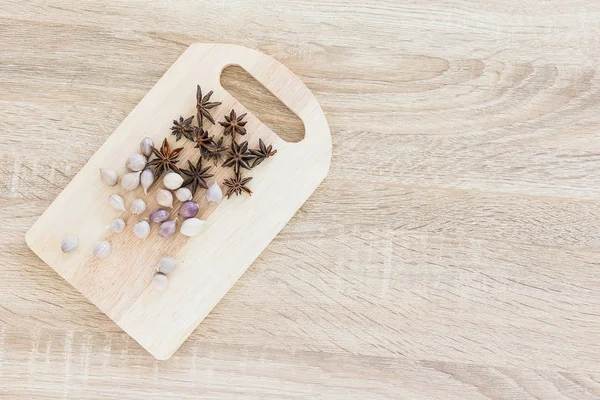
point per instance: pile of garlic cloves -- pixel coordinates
(175, 210)
(166, 198)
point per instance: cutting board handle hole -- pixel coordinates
(262, 103)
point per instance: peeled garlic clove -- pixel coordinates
(166, 265)
(118, 225)
(147, 179)
(116, 202)
(137, 206)
(214, 194)
(189, 209)
(164, 198)
(109, 176)
(146, 146)
(167, 228)
(130, 181)
(141, 229)
(160, 282)
(191, 227)
(183, 194)
(69, 244)
(102, 249)
(136, 162)
(159, 215)
(172, 180)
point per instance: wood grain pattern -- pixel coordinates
(235, 231)
(452, 252)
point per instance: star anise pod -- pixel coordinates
(203, 105)
(217, 150)
(196, 176)
(165, 159)
(262, 152)
(234, 124)
(183, 127)
(238, 156)
(237, 185)
(203, 142)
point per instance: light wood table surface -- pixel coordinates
(452, 253)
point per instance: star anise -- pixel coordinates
(238, 156)
(217, 150)
(203, 142)
(183, 127)
(237, 185)
(166, 159)
(262, 152)
(203, 105)
(196, 176)
(234, 124)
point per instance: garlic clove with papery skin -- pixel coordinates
(146, 146)
(159, 215)
(136, 162)
(141, 229)
(191, 227)
(109, 176)
(167, 228)
(130, 181)
(159, 282)
(189, 209)
(69, 244)
(116, 202)
(137, 206)
(172, 180)
(118, 225)
(164, 198)
(214, 194)
(147, 179)
(166, 265)
(102, 249)
(183, 194)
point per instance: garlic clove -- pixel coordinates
(159, 282)
(118, 225)
(164, 198)
(189, 209)
(69, 244)
(136, 162)
(183, 194)
(146, 146)
(159, 215)
(130, 181)
(137, 206)
(141, 229)
(147, 179)
(109, 176)
(102, 249)
(172, 180)
(191, 227)
(116, 202)
(214, 194)
(166, 265)
(167, 228)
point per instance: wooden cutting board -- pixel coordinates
(236, 230)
